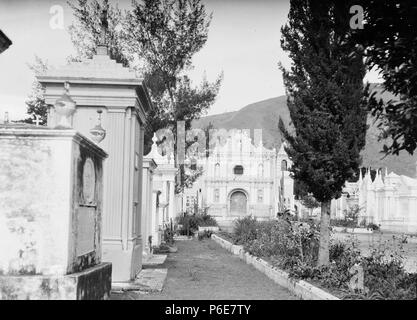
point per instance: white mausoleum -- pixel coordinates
(163, 193)
(390, 200)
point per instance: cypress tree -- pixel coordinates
(326, 100)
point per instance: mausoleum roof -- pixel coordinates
(100, 67)
(160, 160)
(409, 182)
(103, 77)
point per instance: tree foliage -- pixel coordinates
(166, 34)
(326, 98)
(158, 38)
(85, 31)
(35, 102)
(389, 41)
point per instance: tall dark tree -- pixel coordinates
(326, 99)
(389, 39)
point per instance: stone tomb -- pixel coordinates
(164, 188)
(101, 84)
(51, 187)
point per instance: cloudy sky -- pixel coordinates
(243, 42)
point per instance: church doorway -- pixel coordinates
(238, 203)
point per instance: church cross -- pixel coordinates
(37, 121)
(104, 25)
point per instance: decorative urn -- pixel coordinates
(65, 108)
(98, 133)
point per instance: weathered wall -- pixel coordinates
(42, 205)
(34, 205)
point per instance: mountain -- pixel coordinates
(265, 114)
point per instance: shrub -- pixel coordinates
(350, 219)
(190, 223)
(293, 246)
(207, 221)
(204, 234)
(168, 236)
(285, 242)
(385, 275)
(244, 230)
(352, 215)
(372, 226)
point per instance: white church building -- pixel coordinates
(240, 179)
(390, 201)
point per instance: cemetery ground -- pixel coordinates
(203, 270)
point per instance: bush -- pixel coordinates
(190, 223)
(207, 221)
(204, 234)
(293, 246)
(168, 236)
(350, 219)
(372, 226)
(385, 275)
(283, 241)
(244, 230)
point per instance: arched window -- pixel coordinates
(216, 195)
(260, 195)
(284, 165)
(238, 170)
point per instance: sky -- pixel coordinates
(243, 43)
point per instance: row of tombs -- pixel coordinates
(81, 206)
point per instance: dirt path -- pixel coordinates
(204, 270)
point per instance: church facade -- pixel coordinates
(242, 179)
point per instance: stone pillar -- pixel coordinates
(155, 218)
(171, 209)
(148, 203)
(51, 199)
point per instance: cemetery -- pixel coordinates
(112, 189)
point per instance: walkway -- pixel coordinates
(204, 270)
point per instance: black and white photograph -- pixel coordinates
(208, 154)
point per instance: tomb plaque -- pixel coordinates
(86, 231)
(89, 181)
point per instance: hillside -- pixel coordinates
(265, 114)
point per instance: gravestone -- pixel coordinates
(356, 282)
(51, 190)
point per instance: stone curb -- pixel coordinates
(299, 288)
